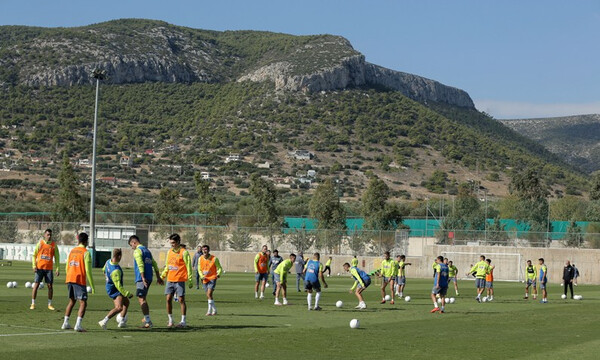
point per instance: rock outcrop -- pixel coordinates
(355, 71)
(135, 51)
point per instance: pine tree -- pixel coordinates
(70, 206)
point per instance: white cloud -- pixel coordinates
(523, 110)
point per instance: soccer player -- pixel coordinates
(313, 271)
(45, 258)
(261, 270)
(530, 278)
(178, 271)
(195, 265)
(210, 270)
(401, 259)
(144, 265)
(489, 280)
(543, 280)
(114, 289)
(480, 269)
(274, 261)
(281, 278)
(328, 266)
(452, 272)
(440, 284)
(78, 270)
(354, 261)
(361, 282)
(387, 272)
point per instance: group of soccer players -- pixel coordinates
(177, 273)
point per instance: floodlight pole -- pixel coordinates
(98, 75)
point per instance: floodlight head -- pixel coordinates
(99, 74)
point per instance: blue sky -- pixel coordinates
(515, 58)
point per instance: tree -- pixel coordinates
(595, 188)
(358, 241)
(325, 207)
(167, 207)
(207, 202)
(378, 214)
(240, 240)
(264, 198)
(301, 239)
(532, 205)
(9, 232)
(69, 206)
(496, 233)
(568, 207)
(574, 236)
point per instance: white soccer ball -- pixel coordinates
(266, 285)
(354, 323)
(14, 283)
(452, 300)
(484, 299)
(339, 304)
(89, 289)
(387, 298)
(9, 285)
(41, 285)
(563, 296)
(338, 274)
(245, 271)
(447, 300)
(577, 297)
(28, 285)
(439, 301)
(407, 298)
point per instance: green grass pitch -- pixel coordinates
(245, 328)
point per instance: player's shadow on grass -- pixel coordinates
(260, 315)
(202, 328)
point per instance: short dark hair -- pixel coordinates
(489, 261)
(402, 257)
(440, 258)
(292, 254)
(82, 238)
(386, 253)
(48, 231)
(528, 260)
(175, 237)
(133, 237)
(346, 264)
(275, 251)
(450, 262)
(206, 246)
(482, 256)
(117, 253)
(541, 259)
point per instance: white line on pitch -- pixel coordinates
(29, 327)
(35, 334)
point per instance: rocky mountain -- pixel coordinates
(136, 51)
(181, 102)
(576, 139)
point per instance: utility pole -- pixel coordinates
(98, 75)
